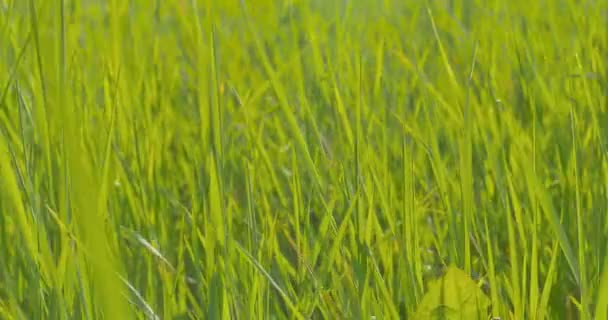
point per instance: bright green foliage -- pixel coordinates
(307, 159)
(453, 296)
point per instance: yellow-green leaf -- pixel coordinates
(452, 297)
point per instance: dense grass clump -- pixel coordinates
(281, 159)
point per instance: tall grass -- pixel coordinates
(303, 159)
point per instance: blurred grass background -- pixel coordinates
(188, 159)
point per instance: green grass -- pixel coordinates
(293, 159)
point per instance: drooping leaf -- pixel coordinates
(454, 296)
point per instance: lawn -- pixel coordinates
(291, 159)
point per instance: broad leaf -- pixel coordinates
(454, 296)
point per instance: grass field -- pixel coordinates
(290, 159)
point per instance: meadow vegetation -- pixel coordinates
(291, 159)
